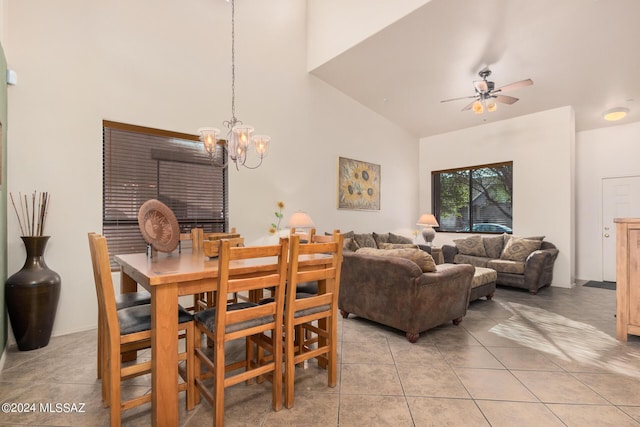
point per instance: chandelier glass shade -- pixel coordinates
(240, 139)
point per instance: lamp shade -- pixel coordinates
(428, 220)
(300, 220)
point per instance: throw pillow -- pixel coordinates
(493, 246)
(365, 240)
(350, 244)
(423, 259)
(394, 238)
(518, 249)
(397, 245)
(471, 246)
(380, 238)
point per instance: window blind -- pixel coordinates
(140, 164)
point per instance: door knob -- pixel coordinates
(606, 235)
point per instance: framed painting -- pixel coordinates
(358, 185)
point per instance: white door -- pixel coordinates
(620, 199)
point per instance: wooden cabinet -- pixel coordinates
(627, 277)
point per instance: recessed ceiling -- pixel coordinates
(581, 53)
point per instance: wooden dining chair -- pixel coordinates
(126, 330)
(203, 242)
(227, 322)
(305, 236)
(311, 320)
(129, 299)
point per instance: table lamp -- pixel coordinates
(300, 220)
(428, 221)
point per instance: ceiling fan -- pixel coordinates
(487, 97)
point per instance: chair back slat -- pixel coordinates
(273, 280)
(104, 283)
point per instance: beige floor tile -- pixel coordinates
(448, 335)
(244, 406)
(523, 358)
(420, 353)
(494, 384)
(370, 379)
(591, 416)
(309, 409)
(374, 411)
(521, 414)
(558, 387)
(470, 357)
(632, 411)
(366, 352)
(617, 389)
(311, 378)
(436, 412)
(418, 380)
(356, 329)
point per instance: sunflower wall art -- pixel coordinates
(358, 185)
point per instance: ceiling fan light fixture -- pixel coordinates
(615, 114)
(492, 105)
(477, 107)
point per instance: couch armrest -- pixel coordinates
(538, 268)
(378, 288)
(449, 252)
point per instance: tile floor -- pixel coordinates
(519, 360)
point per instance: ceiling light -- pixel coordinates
(492, 105)
(240, 137)
(477, 107)
(615, 114)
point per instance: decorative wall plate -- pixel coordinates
(159, 226)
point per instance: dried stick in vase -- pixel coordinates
(17, 214)
(33, 214)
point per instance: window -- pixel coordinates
(142, 163)
(475, 199)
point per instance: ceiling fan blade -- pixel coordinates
(516, 85)
(506, 99)
(481, 86)
(457, 99)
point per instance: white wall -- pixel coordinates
(166, 64)
(337, 25)
(541, 147)
(601, 153)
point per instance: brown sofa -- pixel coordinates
(395, 292)
(520, 262)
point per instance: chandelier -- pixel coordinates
(240, 139)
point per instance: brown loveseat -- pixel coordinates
(396, 292)
(525, 263)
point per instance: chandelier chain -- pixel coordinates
(233, 63)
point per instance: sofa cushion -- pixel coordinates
(394, 238)
(493, 246)
(350, 244)
(518, 249)
(506, 266)
(365, 240)
(476, 261)
(472, 245)
(483, 276)
(380, 238)
(420, 257)
(397, 245)
(509, 236)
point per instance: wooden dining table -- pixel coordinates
(167, 277)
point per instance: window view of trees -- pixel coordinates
(475, 199)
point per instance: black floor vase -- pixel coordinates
(32, 297)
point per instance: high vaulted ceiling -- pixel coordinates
(583, 53)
